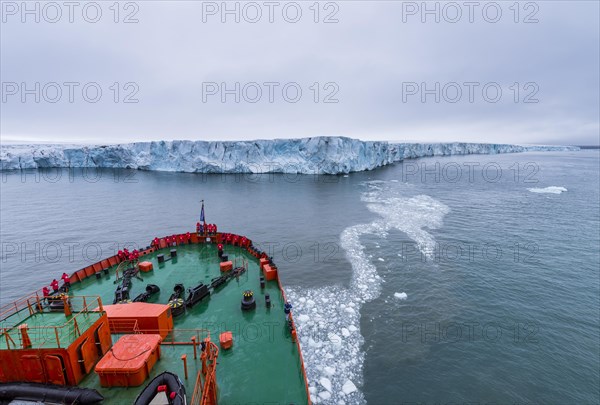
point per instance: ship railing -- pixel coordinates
(171, 336)
(185, 336)
(27, 302)
(205, 389)
(240, 262)
(197, 394)
(301, 358)
(123, 326)
(85, 310)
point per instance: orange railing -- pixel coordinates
(41, 336)
(126, 325)
(171, 336)
(205, 389)
(182, 336)
(28, 302)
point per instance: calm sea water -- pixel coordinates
(439, 280)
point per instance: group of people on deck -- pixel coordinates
(209, 229)
(173, 240)
(54, 285)
(125, 254)
(232, 239)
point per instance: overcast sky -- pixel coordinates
(374, 70)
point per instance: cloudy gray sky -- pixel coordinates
(522, 72)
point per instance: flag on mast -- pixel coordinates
(202, 213)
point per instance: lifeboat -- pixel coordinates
(166, 388)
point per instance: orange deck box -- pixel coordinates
(226, 266)
(146, 267)
(148, 318)
(226, 340)
(269, 272)
(263, 262)
(130, 361)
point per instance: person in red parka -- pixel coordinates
(66, 279)
(54, 285)
(46, 293)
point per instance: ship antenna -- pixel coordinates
(202, 218)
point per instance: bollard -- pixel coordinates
(184, 359)
(194, 344)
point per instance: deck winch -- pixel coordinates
(176, 300)
(151, 289)
(197, 294)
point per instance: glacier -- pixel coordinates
(315, 155)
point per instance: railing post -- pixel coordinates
(100, 304)
(194, 344)
(184, 359)
(57, 339)
(29, 307)
(66, 306)
(76, 330)
(7, 338)
(39, 304)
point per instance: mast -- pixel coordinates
(203, 218)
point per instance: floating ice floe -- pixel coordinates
(550, 190)
(325, 383)
(304, 318)
(325, 395)
(401, 296)
(348, 387)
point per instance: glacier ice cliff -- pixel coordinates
(317, 155)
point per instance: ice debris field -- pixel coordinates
(328, 318)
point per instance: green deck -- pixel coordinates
(264, 364)
(41, 328)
